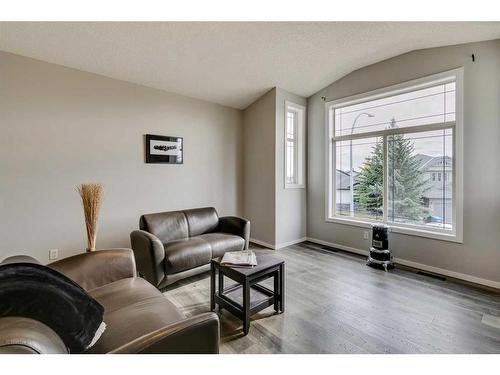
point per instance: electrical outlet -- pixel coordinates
(53, 254)
(366, 235)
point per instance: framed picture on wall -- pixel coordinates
(164, 149)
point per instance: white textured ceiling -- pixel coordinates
(230, 63)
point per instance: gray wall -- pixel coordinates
(479, 255)
(291, 214)
(61, 127)
(259, 167)
(278, 215)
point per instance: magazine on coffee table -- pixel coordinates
(245, 259)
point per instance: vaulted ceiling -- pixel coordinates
(230, 63)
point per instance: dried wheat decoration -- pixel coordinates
(91, 195)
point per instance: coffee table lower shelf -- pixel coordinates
(232, 299)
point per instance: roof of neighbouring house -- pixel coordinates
(427, 161)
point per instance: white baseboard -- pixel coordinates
(456, 275)
(338, 246)
(278, 246)
(420, 266)
(290, 243)
(262, 243)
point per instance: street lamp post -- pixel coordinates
(351, 177)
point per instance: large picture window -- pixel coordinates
(394, 156)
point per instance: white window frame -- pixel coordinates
(456, 235)
(299, 154)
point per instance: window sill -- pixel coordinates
(412, 231)
(294, 186)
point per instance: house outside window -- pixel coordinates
(395, 157)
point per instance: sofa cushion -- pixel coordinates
(167, 226)
(132, 308)
(186, 254)
(201, 220)
(223, 242)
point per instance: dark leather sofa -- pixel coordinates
(139, 318)
(174, 245)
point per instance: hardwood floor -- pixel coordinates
(336, 304)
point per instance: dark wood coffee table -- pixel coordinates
(247, 297)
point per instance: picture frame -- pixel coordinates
(164, 149)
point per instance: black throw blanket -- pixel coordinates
(41, 293)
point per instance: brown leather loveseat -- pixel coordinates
(174, 245)
(139, 318)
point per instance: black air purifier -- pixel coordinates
(380, 255)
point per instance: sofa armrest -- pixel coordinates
(149, 256)
(19, 259)
(236, 225)
(196, 335)
(19, 335)
(97, 268)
